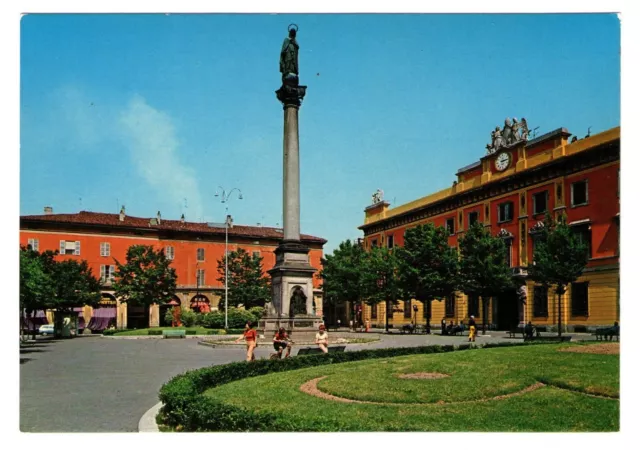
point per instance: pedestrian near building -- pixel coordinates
(472, 329)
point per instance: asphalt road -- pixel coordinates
(98, 384)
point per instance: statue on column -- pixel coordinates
(289, 57)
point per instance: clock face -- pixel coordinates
(502, 161)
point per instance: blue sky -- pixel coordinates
(147, 110)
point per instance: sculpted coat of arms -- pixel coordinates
(513, 132)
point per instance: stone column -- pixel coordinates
(291, 174)
(292, 269)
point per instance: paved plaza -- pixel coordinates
(100, 384)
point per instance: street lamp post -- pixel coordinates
(225, 198)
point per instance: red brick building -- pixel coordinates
(194, 249)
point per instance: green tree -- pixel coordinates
(341, 274)
(381, 279)
(559, 259)
(36, 284)
(483, 266)
(146, 278)
(428, 266)
(75, 285)
(248, 285)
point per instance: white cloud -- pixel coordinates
(151, 138)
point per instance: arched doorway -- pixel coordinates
(200, 304)
(137, 317)
(104, 315)
(166, 307)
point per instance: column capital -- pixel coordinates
(291, 96)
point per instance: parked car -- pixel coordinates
(46, 329)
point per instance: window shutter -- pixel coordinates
(62, 245)
(101, 248)
(77, 251)
(107, 249)
(112, 272)
(102, 272)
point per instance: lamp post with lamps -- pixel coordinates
(225, 198)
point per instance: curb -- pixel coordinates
(147, 423)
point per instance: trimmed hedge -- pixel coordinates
(154, 332)
(111, 332)
(185, 405)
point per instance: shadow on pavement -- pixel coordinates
(31, 350)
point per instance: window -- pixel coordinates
(374, 243)
(69, 247)
(505, 212)
(540, 301)
(169, 252)
(583, 232)
(540, 202)
(508, 245)
(450, 306)
(451, 226)
(34, 244)
(374, 311)
(473, 218)
(107, 273)
(472, 305)
(579, 193)
(256, 254)
(390, 241)
(407, 309)
(105, 249)
(580, 299)
(389, 306)
(200, 254)
(200, 277)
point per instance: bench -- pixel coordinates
(515, 331)
(314, 350)
(170, 334)
(453, 332)
(407, 329)
(602, 334)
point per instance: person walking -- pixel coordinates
(322, 339)
(251, 338)
(472, 329)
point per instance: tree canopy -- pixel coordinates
(381, 280)
(342, 272)
(248, 285)
(36, 283)
(146, 277)
(483, 267)
(559, 259)
(428, 266)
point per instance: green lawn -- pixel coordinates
(412, 405)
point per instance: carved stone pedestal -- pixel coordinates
(292, 304)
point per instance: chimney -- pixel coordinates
(122, 215)
(48, 210)
(158, 218)
(182, 218)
